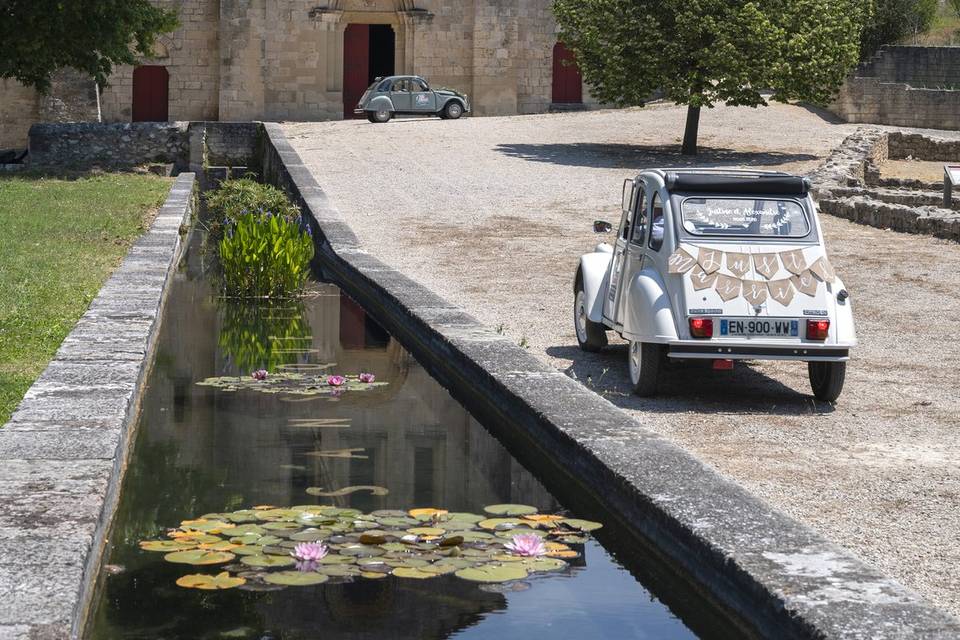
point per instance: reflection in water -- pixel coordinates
(201, 450)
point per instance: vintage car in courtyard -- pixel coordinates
(409, 95)
(719, 265)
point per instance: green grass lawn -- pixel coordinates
(59, 241)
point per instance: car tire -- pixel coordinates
(592, 336)
(370, 117)
(453, 110)
(644, 360)
(381, 115)
(826, 379)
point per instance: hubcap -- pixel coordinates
(580, 317)
(635, 361)
(455, 110)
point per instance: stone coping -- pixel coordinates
(64, 451)
(780, 577)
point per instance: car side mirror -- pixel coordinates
(602, 226)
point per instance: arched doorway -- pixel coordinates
(567, 82)
(151, 94)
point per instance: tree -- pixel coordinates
(701, 52)
(40, 36)
(894, 20)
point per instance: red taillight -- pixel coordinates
(701, 327)
(817, 329)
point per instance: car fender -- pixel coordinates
(647, 313)
(379, 102)
(595, 274)
(844, 332)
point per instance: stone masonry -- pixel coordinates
(905, 86)
(233, 60)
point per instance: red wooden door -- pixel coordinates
(567, 83)
(150, 94)
(356, 65)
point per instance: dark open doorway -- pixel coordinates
(368, 52)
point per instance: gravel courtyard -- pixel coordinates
(493, 213)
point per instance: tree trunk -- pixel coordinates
(690, 132)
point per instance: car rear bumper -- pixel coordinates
(715, 351)
(359, 112)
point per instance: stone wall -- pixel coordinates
(84, 145)
(905, 86)
(19, 107)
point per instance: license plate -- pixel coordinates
(759, 327)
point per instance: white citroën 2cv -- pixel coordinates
(721, 265)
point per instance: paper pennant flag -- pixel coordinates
(738, 264)
(728, 287)
(781, 290)
(806, 283)
(701, 279)
(710, 260)
(755, 292)
(822, 269)
(766, 264)
(680, 261)
(793, 261)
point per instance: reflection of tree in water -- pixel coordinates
(262, 336)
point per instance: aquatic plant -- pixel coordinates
(266, 335)
(259, 374)
(264, 256)
(234, 198)
(527, 545)
(309, 545)
(367, 378)
(292, 383)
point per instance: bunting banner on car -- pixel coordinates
(705, 268)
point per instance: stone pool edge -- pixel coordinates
(65, 449)
(780, 576)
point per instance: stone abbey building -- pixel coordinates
(311, 60)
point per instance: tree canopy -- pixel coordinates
(704, 52)
(894, 20)
(42, 36)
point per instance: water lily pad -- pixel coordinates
(493, 573)
(246, 529)
(222, 545)
(208, 526)
(414, 572)
(573, 539)
(501, 524)
(397, 522)
(428, 512)
(582, 525)
(167, 546)
(451, 541)
(281, 526)
(336, 559)
(543, 518)
(426, 531)
(310, 535)
(510, 509)
(339, 570)
(197, 537)
(476, 536)
(199, 557)
(296, 578)
(370, 575)
(457, 563)
(374, 491)
(544, 564)
(250, 538)
(267, 561)
(521, 531)
(362, 551)
(207, 582)
(461, 516)
(247, 550)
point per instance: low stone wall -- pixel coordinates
(905, 86)
(86, 145)
(63, 452)
(780, 577)
(849, 185)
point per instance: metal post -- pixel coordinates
(951, 176)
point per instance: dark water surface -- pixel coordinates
(201, 450)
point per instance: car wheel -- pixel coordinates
(453, 110)
(382, 115)
(644, 359)
(370, 117)
(592, 336)
(826, 379)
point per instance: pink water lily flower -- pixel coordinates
(309, 551)
(367, 377)
(336, 381)
(259, 374)
(528, 545)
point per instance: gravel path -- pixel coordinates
(493, 214)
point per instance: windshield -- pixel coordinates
(744, 217)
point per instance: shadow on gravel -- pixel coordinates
(623, 156)
(689, 387)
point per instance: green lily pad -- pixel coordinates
(414, 572)
(339, 570)
(310, 535)
(493, 573)
(209, 583)
(582, 525)
(247, 550)
(510, 509)
(544, 564)
(267, 561)
(394, 546)
(281, 526)
(427, 531)
(199, 557)
(501, 524)
(296, 578)
(167, 546)
(521, 531)
(336, 559)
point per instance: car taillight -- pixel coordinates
(701, 327)
(817, 329)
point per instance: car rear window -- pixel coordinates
(765, 217)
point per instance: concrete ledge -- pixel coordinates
(64, 451)
(783, 579)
